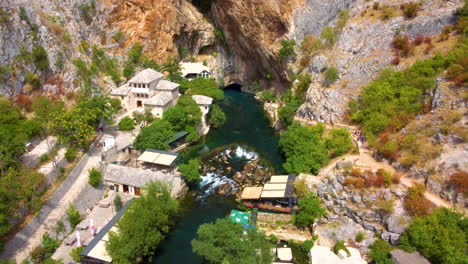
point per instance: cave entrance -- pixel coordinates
(233, 86)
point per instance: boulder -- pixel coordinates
(393, 238)
(397, 223)
(224, 188)
(212, 168)
(238, 177)
(356, 198)
(259, 174)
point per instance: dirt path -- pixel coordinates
(54, 209)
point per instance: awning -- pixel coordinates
(251, 193)
(274, 186)
(239, 217)
(279, 179)
(273, 194)
(158, 157)
(178, 135)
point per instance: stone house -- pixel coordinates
(204, 103)
(192, 70)
(147, 90)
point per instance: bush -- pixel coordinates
(343, 17)
(74, 217)
(267, 96)
(415, 202)
(331, 75)
(190, 171)
(117, 203)
(286, 51)
(94, 177)
(307, 245)
(309, 211)
(380, 252)
(126, 124)
(339, 245)
(311, 44)
(300, 188)
(387, 12)
(338, 142)
(273, 239)
(33, 80)
(40, 58)
(402, 45)
(216, 118)
(75, 253)
(329, 35)
(71, 154)
(44, 158)
(460, 180)
(410, 10)
(360, 237)
(286, 113)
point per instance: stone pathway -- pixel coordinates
(73, 188)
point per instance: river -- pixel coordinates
(247, 131)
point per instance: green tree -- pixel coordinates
(172, 67)
(155, 136)
(135, 52)
(117, 203)
(205, 86)
(185, 115)
(75, 253)
(267, 96)
(225, 241)
(338, 142)
(74, 216)
(309, 211)
(380, 252)
(286, 51)
(286, 113)
(33, 80)
(440, 236)
(94, 178)
(40, 58)
(144, 225)
(190, 171)
(126, 124)
(216, 117)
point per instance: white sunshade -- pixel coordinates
(148, 156)
(284, 254)
(273, 194)
(157, 158)
(274, 186)
(279, 179)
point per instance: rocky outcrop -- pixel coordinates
(252, 31)
(164, 26)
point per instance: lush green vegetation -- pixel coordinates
(216, 116)
(73, 215)
(45, 250)
(440, 236)
(126, 124)
(186, 115)
(267, 96)
(331, 75)
(329, 35)
(40, 58)
(310, 210)
(75, 253)
(286, 51)
(190, 171)
(94, 178)
(360, 237)
(71, 154)
(155, 136)
(339, 245)
(203, 86)
(307, 149)
(228, 242)
(287, 112)
(380, 252)
(144, 225)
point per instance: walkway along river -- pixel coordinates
(248, 134)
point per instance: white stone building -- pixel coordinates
(192, 70)
(148, 90)
(204, 103)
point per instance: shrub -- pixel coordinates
(71, 154)
(75, 253)
(287, 112)
(415, 202)
(329, 35)
(286, 51)
(40, 58)
(267, 96)
(190, 171)
(460, 180)
(134, 54)
(343, 17)
(74, 217)
(300, 188)
(94, 178)
(24, 102)
(49, 244)
(387, 12)
(386, 206)
(33, 80)
(117, 203)
(44, 158)
(217, 118)
(387, 177)
(402, 45)
(331, 75)
(339, 245)
(380, 252)
(38, 254)
(311, 44)
(339, 142)
(360, 237)
(418, 40)
(396, 60)
(126, 124)
(307, 245)
(273, 239)
(410, 10)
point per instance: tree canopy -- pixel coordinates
(310, 210)
(190, 171)
(440, 236)
(143, 226)
(204, 86)
(216, 117)
(228, 242)
(155, 136)
(186, 115)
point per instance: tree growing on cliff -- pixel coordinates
(310, 210)
(216, 117)
(228, 242)
(204, 86)
(286, 51)
(40, 58)
(144, 225)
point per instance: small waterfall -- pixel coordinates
(243, 153)
(210, 182)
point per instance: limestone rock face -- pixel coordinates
(162, 25)
(253, 30)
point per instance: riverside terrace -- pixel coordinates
(276, 195)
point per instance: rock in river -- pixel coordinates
(224, 188)
(238, 177)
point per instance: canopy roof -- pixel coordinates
(273, 194)
(274, 187)
(177, 136)
(158, 157)
(251, 193)
(284, 254)
(239, 217)
(279, 179)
